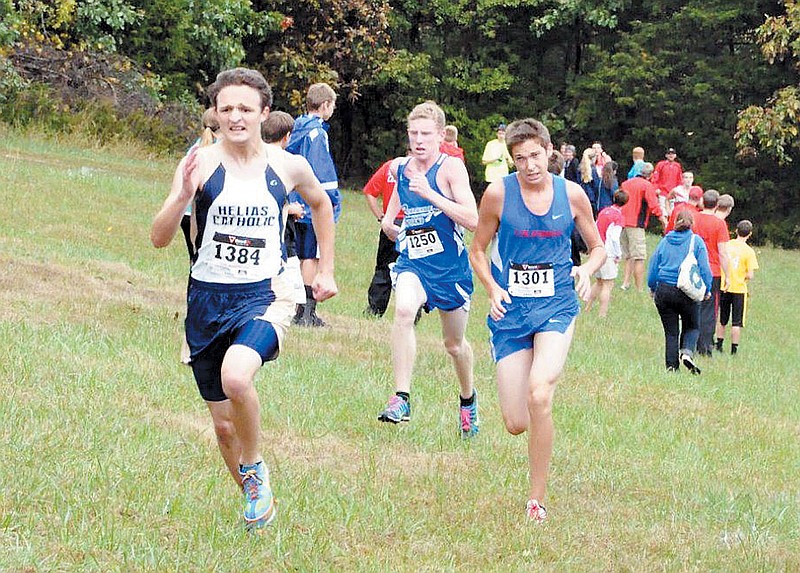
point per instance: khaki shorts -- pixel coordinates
(633, 243)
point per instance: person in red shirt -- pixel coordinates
(694, 204)
(450, 143)
(381, 184)
(609, 224)
(667, 176)
(642, 202)
(714, 232)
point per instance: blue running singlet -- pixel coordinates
(531, 260)
(431, 245)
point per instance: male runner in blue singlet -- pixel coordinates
(532, 288)
(239, 302)
(432, 268)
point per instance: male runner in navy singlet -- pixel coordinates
(239, 303)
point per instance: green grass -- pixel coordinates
(109, 462)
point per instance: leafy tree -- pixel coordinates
(342, 42)
(94, 24)
(773, 127)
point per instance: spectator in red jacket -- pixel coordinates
(667, 176)
(642, 202)
(381, 186)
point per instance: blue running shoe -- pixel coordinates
(259, 508)
(398, 410)
(469, 418)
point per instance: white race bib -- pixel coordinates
(235, 255)
(423, 242)
(531, 280)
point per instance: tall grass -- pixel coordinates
(109, 462)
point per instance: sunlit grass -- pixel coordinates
(109, 461)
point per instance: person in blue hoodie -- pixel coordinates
(679, 313)
(310, 139)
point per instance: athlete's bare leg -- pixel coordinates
(526, 382)
(409, 296)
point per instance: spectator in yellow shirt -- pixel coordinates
(742, 265)
(496, 157)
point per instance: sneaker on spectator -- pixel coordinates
(686, 360)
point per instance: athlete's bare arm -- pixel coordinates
(458, 202)
(305, 183)
(184, 185)
(392, 207)
(488, 223)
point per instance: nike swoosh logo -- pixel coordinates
(557, 216)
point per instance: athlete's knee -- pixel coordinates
(236, 384)
(456, 347)
(404, 314)
(225, 432)
(516, 424)
(540, 399)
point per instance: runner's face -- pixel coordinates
(240, 114)
(530, 159)
(424, 138)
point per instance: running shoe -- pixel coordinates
(397, 410)
(687, 361)
(535, 511)
(469, 418)
(259, 507)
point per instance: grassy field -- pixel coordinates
(108, 462)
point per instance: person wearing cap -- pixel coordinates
(667, 175)
(496, 157)
(694, 204)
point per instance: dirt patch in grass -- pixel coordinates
(61, 289)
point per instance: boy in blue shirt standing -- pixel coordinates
(310, 139)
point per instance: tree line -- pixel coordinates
(716, 79)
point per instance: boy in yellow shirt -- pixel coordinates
(733, 295)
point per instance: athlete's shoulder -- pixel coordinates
(289, 167)
(209, 158)
(495, 193)
(573, 189)
(394, 164)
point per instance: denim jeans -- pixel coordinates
(680, 318)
